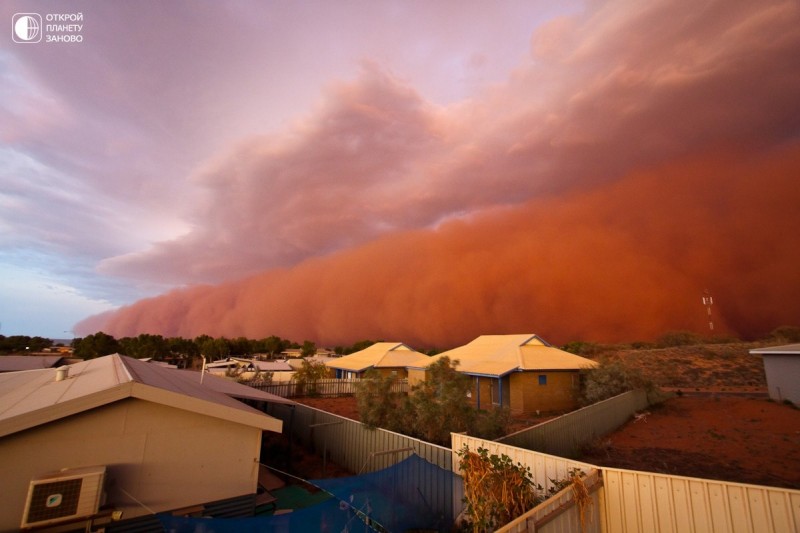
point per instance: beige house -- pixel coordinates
(522, 372)
(148, 439)
(388, 358)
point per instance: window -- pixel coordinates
(542, 379)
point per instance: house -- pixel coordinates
(522, 372)
(388, 358)
(17, 363)
(249, 368)
(782, 368)
(160, 439)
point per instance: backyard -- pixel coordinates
(706, 430)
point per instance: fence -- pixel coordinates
(566, 435)
(645, 501)
(631, 501)
(322, 387)
(352, 445)
(561, 514)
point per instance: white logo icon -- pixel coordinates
(26, 28)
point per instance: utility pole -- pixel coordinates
(708, 301)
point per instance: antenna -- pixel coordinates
(708, 301)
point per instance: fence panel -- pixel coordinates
(645, 501)
(545, 468)
(322, 387)
(566, 435)
(560, 514)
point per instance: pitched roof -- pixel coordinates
(498, 355)
(379, 355)
(32, 398)
(786, 349)
(16, 363)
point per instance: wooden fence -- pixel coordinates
(566, 435)
(322, 387)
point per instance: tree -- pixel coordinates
(308, 375)
(378, 406)
(431, 411)
(440, 404)
(95, 345)
(309, 349)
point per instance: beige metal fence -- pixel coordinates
(322, 387)
(566, 435)
(659, 503)
(561, 514)
(646, 502)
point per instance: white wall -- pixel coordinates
(783, 377)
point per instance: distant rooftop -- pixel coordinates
(16, 363)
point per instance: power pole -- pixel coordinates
(708, 301)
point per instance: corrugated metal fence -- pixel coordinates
(322, 387)
(566, 435)
(631, 502)
(645, 501)
(350, 444)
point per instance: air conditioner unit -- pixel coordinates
(65, 495)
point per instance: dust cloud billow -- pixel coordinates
(625, 262)
(634, 160)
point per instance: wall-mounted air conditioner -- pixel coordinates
(66, 495)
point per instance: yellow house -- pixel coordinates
(151, 439)
(388, 358)
(522, 372)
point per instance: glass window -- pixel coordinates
(542, 379)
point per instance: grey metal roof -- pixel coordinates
(34, 397)
(17, 363)
(786, 349)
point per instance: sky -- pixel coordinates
(416, 171)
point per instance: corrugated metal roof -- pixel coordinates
(498, 355)
(34, 397)
(17, 363)
(786, 349)
(379, 355)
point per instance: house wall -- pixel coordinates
(400, 373)
(415, 377)
(486, 392)
(559, 394)
(783, 377)
(164, 457)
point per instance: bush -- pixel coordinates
(610, 379)
(678, 338)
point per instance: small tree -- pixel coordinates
(440, 405)
(378, 406)
(308, 375)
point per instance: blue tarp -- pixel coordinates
(324, 517)
(413, 494)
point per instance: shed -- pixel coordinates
(782, 369)
(168, 439)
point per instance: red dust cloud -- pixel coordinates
(628, 261)
(643, 152)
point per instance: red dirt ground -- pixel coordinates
(745, 440)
